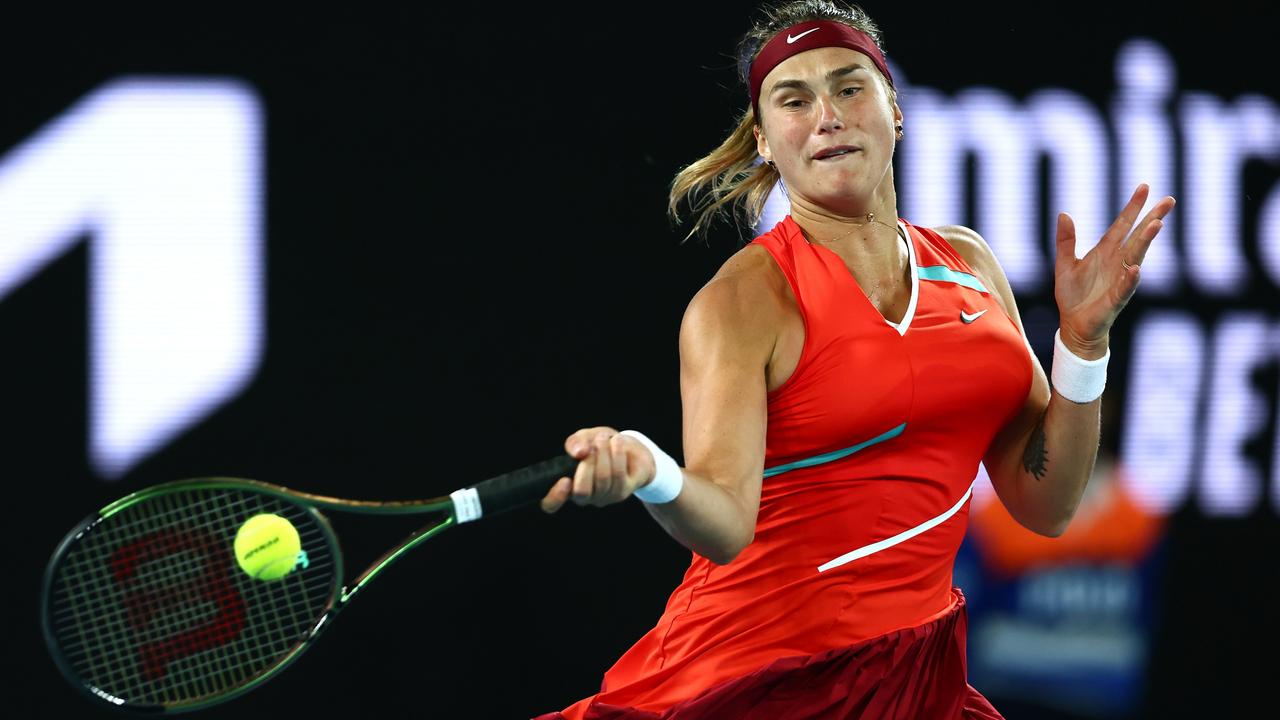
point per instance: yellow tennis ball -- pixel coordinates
(267, 546)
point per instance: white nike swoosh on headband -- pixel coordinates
(806, 32)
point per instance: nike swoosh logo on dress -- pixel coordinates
(967, 318)
(806, 32)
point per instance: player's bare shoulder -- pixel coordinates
(749, 282)
(746, 303)
(967, 243)
(753, 271)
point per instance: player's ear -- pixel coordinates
(762, 144)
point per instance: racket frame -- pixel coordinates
(498, 494)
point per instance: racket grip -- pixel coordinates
(511, 490)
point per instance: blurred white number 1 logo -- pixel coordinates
(164, 177)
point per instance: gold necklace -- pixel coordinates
(871, 218)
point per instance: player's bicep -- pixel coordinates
(725, 344)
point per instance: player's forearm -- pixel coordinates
(707, 518)
(1058, 460)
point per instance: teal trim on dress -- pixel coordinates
(835, 454)
(946, 274)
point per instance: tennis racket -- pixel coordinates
(146, 606)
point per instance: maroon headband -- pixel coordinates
(810, 36)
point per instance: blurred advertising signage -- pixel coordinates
(163, 177)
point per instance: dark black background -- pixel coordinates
(468, 258)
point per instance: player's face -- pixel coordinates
(829, 127)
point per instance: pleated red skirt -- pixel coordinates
(910, 674)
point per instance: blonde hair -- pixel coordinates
(732, 181)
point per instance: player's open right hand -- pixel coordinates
(611, 467)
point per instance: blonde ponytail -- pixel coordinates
(731, 181)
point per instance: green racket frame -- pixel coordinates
(504, 492)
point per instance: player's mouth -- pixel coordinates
(836, 152)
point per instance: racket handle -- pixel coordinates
(511, 490)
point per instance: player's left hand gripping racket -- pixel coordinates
(148, 607)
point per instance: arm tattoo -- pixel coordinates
(1035, 455)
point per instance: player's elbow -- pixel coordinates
(724, 557)
(1057, 518)
(1049, 531)
(1040, 520)
(1057, 528)
(1050, 526)
(721, 558)
(733, 550)
(1043, 516)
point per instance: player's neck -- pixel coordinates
(865, 233)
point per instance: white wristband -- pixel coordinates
(1076, 379)
(667, 481)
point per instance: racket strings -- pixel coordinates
(194, 613)
(149, 606)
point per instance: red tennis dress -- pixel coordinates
(843, 606)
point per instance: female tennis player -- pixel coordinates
(841, 377)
